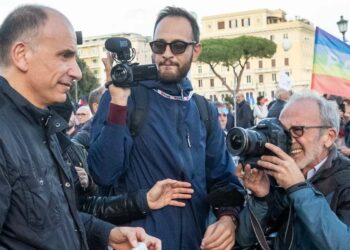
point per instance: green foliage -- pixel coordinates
(86, 84)
(235, 53)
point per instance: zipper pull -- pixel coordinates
(188, 140)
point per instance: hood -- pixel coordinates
(182, 88)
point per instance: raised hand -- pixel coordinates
(167, 192)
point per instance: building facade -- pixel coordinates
(294, 53)
(93, 50)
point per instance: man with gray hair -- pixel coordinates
(37, 203)
(282, 96)
(304, 194)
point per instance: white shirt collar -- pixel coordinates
(313, 171)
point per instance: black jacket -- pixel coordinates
(276, 109)
(118, 207)
(245, 118)
(37, 202)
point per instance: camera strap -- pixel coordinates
(260, 235)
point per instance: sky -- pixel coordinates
(137, 16)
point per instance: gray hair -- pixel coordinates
(23, 23)
(328, 110)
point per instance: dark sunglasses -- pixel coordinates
(176, 47)
(298, 131)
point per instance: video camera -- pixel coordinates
(249, 144)
(124, 73)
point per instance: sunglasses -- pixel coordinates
(80, 114)
(223, 111)
(176, 47)
(298, 131)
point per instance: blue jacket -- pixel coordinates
(315, 225)
(172, 143)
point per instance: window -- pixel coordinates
(249, 79)
(230, 24)
(261, 78)
(212, 83)
(221, 25)
(247, 66)
(272, 94)
(272, 38)
(273, 63)
(236, 23)
(260, 64)
(274, 78)
(223, 81)
(286, 61)
(94, 60)
(222, 97)
(199, 69)
(200, 83)
(285, 36)
(248, 20)
(242, 22)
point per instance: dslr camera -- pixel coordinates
(249, 144)
(125, 73)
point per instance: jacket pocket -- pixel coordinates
(42, 206)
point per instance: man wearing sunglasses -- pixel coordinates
(172, 143)
(309, 206)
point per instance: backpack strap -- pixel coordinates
(139, 96)
(203, 108)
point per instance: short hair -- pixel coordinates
(280, 92)
(328, 110)
(94, 97)
(259, 98)
(171, 11)
(22, 23)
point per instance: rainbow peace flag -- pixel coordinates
(331, 68)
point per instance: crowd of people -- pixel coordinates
(91, 179)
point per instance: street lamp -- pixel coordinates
(343, 26)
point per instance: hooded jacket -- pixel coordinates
(172, 143)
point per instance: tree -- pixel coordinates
(234, 53)
(85, 85)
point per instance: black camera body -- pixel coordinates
(249, 144)
(125, 73)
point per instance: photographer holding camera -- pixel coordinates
(309, 206)
(173, 142)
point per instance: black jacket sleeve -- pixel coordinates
(117, 209)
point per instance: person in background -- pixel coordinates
(260, 109)
(37, 203)
(244, 114)
(282, 96)
(83, 115)
(223, 113)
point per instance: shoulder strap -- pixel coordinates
(203, 108)
(139, 96)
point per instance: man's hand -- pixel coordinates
(282, 167)
(166, 192)
(123, 238)
(220, 235)
(83, 177)
(254, 179)
(345, 150)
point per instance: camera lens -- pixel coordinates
(242, 142)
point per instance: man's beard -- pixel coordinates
(181, 72)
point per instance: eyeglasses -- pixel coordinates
(176, 47)
(80, 114)
(298, 131)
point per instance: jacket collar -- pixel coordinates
(184, 87)
(42, 117)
